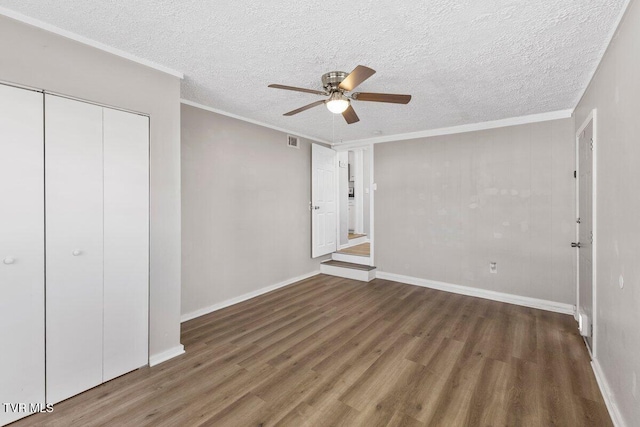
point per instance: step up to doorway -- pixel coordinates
(353, 259)
(348, 270)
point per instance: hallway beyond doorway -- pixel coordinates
(363, 249)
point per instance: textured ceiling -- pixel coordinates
(463, 61)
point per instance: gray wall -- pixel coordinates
(36, 58)
(615, 92)
(448, 206)
(245, 208)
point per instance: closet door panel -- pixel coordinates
(126, 242)
(74, 246)
(21, 250)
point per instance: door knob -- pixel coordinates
(9, 260)
(575, 245)
(76, 252)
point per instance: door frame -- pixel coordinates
(368, 151)
(372, 191)
(359, 185)
(592, 117)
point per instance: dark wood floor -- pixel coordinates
(330, 351)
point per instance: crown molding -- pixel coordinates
(255, 122)
(87, 41)
(512, 121)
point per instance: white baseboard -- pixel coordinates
(616, 417)
(244, 297)
(541, 304)
(156, 359)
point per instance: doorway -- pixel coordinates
(585, 233)
(342, 201)
(355, 182)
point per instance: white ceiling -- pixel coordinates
(463, 61)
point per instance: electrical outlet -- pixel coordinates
(493, 267)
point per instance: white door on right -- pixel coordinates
(126, 242)
(585, 227)
(324, 201)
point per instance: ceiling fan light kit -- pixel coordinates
(337, 103)
(336, 85)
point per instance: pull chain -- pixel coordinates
(333, 125)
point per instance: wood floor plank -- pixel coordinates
(248, 410)
(331, 351)
(375, 380)
(403, 420)
(454, 398)
(523, 406)
(384, 405)
(488, 404)
(422, 399)
(219, 397)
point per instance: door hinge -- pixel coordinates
(591, 237)
(575, 174)
(591, 144)
(578, 220)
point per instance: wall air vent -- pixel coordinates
(293, 142)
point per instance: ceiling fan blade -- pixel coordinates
(298, 89)
(350, 115)
(382, 97)
(357, 76)
(306, 107)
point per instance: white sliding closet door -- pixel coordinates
(126, 242)
(74, 245)
(21, 250)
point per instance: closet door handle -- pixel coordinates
(9, 260)
(76, 252)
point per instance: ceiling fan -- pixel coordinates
(336, 85)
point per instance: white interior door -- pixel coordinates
(324, 206)
(126, 242)
(21, 250)
(74, 206)
(585, 227)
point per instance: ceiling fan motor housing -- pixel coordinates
(332, 80)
